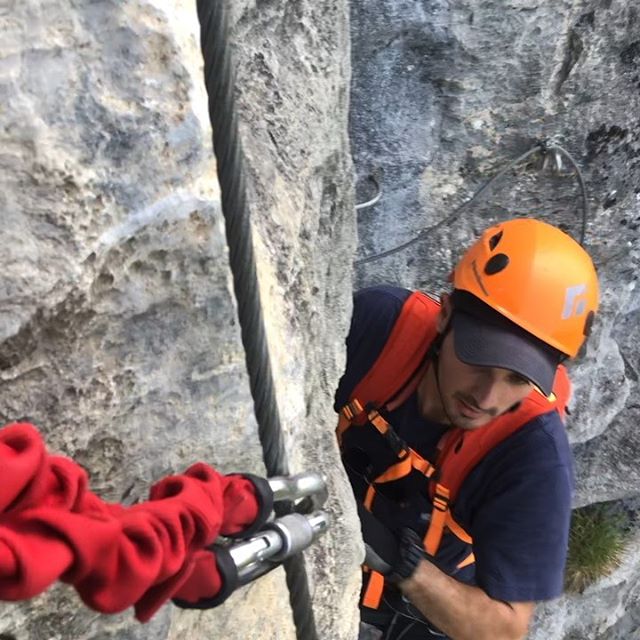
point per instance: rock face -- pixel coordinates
(444, 95)
(118, 330)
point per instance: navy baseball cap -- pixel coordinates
(482, 337)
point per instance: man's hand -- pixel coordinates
(394, 556)
(462, 611)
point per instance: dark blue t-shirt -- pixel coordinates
(515, 504)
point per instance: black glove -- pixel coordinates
(394, 556)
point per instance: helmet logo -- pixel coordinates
(575, 301)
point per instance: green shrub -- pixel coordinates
(596, 543)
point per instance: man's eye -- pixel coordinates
(519, 380)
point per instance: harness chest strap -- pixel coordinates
(409, 460)
(478, 442)
(442, 519)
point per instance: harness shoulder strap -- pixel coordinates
(461, 451)
(401, 357)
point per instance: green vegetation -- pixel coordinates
(596, 544)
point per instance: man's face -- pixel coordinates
(472, 396)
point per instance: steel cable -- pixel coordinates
(220, 81)
(540, 147)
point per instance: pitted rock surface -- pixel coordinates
(118, 329)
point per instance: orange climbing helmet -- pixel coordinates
(535, 275)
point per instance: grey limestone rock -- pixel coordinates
(445, 95)
(118, 329)
(118, 333)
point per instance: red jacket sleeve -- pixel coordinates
(52, 527)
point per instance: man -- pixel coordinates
(524, 297)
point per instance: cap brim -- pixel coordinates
(484, 344)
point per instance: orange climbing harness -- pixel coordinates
(391, 380)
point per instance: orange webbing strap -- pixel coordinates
(369, 496)
(456, 529)
(421, 464)
(442, 519)
(470, 559)
(396, 471)
(352, 409)
(403, 352)
(561, 390)
(438, 520)
(373, 593)
(349, 413)
(378, 422)
(409, 458)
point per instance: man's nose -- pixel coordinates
(487, 393)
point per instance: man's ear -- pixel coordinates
(446, 309)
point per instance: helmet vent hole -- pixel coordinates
(496, 264)
(494, 239)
